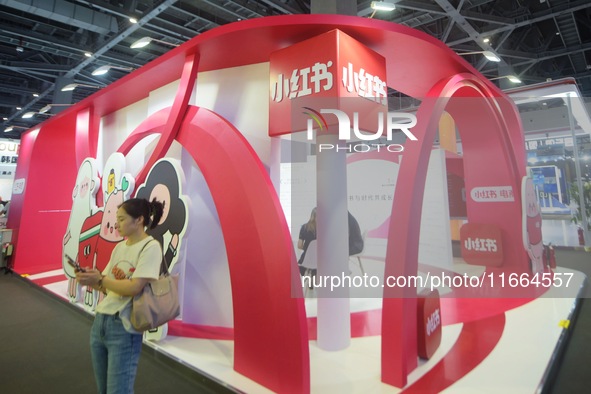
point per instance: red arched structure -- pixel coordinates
(270, 328)
(490, 132)
(417, 65)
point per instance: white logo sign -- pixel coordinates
(492, 194)
(394, 121)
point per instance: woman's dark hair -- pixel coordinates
(140, 207)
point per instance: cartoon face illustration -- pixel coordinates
(163, 183)
(532, 224)
(89, 235)
(162, 193)
(83, 205)
(534, 217)
(111, 181)
(533, 208)
(108, 230)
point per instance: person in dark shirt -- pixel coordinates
(308, 233)
(355, 237)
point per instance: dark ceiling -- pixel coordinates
(43, 42)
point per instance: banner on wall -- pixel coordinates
(92, 235)
(8, 157)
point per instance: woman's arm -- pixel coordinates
(301, 244)
(123, 287)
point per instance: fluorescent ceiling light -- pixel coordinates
(487, 54)
(28, 115)
(105, 69)
(73, 86)
(511, 78)
(382, 6)
(49, 106)
(491, 56)
(142, 42)
(69, 87)
(101, 70)
(10, 128)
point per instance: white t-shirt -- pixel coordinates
(127, 262)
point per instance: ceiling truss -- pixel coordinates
(43, 42)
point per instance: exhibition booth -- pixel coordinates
(245, 129)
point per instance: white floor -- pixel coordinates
(517, 363)
(560, 232)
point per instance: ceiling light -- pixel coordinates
(11, 128)
(486, 40)
(511, 78)
(18, 108)
(144, 41)
(35, 94)
(382, 6)
(28, 115)
(133, 19)
(88, 54)
(487, 54)
(49, 106)
(105, 69)
(73, 86)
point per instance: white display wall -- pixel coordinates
(371, 184)
(241, 96)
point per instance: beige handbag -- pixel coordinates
(157, 303)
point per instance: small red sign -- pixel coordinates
(481, 244)
(428, 323)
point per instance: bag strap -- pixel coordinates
(161, 261)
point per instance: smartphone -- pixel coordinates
(74, 264)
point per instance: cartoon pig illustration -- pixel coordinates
(532, 225)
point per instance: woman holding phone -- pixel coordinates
(115, 345)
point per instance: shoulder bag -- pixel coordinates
(157, 303)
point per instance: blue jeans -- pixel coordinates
(115, 355)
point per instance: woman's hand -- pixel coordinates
(89, 277)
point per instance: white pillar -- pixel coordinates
(334, 320)
(332, 229)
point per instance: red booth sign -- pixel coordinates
(428, 323)
(481, 244)
(330, 71)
